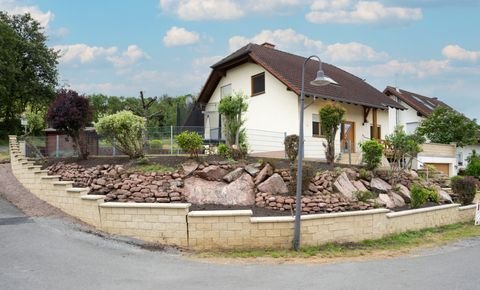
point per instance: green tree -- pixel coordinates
(28, 72)
(331, 116)
(447, 126)
(232, 108)
(125, 130)
(403, 145)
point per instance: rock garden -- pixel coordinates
(259, 185)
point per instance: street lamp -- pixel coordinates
(320, 80)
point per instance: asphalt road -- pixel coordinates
(51, 253)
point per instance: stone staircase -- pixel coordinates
(343, 158)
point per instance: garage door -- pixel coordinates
(442, 167)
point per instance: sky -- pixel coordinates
(431, 47)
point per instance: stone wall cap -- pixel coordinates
(92, 197)
(214, 213)
(77, 189)
(41, 171)
(145, 205)
(63, 182)
(272, 219)
(51, 176)
(421, 210)
(467, 207)
(345, 214)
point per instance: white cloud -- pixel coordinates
(180, 36)
(14, 7)
(419, 69)
(354, 11)
(205, 62)
(128, 57)
(456, 52)
(83, 53)
(286, 39)
(291, 41)
(204, 9)
(353, 51)
(268, 5)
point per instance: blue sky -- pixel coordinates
(166, 47)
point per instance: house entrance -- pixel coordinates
(347, 136)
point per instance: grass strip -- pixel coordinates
(402, 242)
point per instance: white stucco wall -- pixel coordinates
(274, 114)
(401, 118)
(464, 153)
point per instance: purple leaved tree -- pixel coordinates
(71, 113)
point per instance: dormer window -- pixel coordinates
(258, 84)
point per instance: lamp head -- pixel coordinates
(322, 79)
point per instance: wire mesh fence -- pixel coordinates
(158, 141)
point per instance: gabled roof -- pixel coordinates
(422, 104)
(287, 68)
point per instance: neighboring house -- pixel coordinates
(271, 79)
(445, 157)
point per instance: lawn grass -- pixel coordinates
(4, 156)
(402, 242)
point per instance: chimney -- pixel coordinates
(268, 45)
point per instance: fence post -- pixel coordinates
(114, 150)
(171, 140)
(57, 146)
(284, 138)
(349, 143)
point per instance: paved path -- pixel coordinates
(51, 253)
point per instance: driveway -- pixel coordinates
(54, 253)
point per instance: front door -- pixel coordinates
(347, 136)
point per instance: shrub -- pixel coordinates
(291, 147)
(190, 142)
(372, 153)
(365, 174)
(155, 143)
(419, 196)
(433, 195)
(465, 188)
(125, 130)
(232, 108)
(307, 174)
(224, 151)
(363, 195)
(331, 117)
(473, 168)
(71, 113)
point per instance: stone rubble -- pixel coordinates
(239, 184)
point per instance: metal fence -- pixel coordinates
(158, 141)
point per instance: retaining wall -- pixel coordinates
(173, 224)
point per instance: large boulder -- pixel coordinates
(233, 175)
(404, 192)
(385, 199)
(398, 201)
(253, 169)
(212, 172)
(239, 192)
(266, 171)
(344, 186)
(444, 196)
(359, 185)
(274, 185)
(378, 185)
(189, 166)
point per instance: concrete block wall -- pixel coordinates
(173, 224)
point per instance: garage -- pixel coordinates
(442, 167)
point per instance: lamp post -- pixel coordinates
(320, 80)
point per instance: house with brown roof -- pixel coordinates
(445, 157)
(271, 79)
